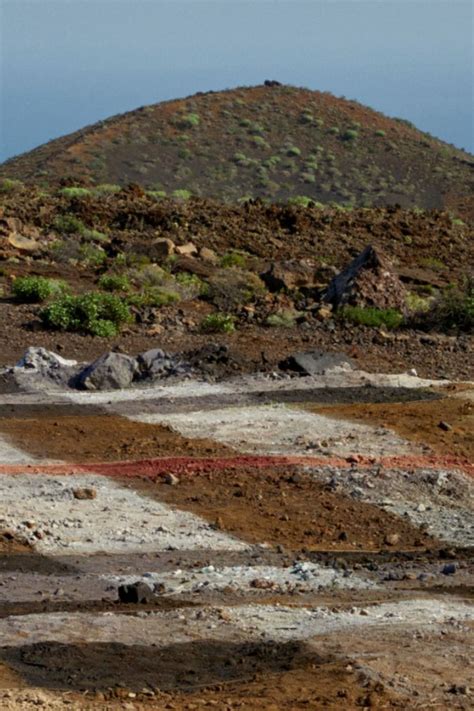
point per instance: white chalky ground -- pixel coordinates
(117, 520)
(279, 429)
(251, 622)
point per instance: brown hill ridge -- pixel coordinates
(270, 141)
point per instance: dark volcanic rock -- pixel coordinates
(291, 274)
(110, 371)
(369, 280)
(314, 362)
(155, 363)
(135, 593)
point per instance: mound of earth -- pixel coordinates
(270, 141)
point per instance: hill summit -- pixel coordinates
(272, 141)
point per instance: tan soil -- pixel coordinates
(98, 438)
(417, 421)
(286, 508)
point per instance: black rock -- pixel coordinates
(135, 593)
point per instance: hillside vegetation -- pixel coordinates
(274, 142)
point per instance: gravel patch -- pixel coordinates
(44, 510)
(278, 429)
(438, 500)
(249, 622)
(301, 577)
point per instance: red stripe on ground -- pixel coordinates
(153, 468)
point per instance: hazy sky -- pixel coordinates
(68, 63)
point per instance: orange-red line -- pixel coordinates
(153, 468)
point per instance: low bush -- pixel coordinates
(95, 313)
(181, 194)
(36, 289)
(154, 297)
(69, 224)
(189, 121)
(75, 192)
(453, 308)
(370, 316)
(234, 258)
(293, 151)
(191, 285)
(282, 319)
(106, 189)
(95, 236)
(350, 135)
(150, 275)
(114, 282)
(7, 185)
(218, 323)
(92, 256)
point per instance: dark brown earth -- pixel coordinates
(188, 676)
(98, 438)
(326, 240)
(418, 422)
(287, 508)
(275, 142)
(431, 356)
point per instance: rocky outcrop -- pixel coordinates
(368, 281)
(110, 371)
(155, 364)
(290, 275)
(315, 362)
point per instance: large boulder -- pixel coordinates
(112, 371)
(290, 275)
(155, 364)
(368, 281)
(315, 362)
(135, 593)
(43, 361)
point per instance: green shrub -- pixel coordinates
(92, 256)
(95, 313)
(350, 135)
(260, 142)
(150, 275)
(35, 289)
(154, 297)
(95, 236)
(234, 258)
(283, 319)
(239, 158)
(370, 316)
(333, 130)
(75, 192)
(69, 224)
(191, 285)
(293, 151)
(114, 282)
(302, 200)
(7, 185)
(156, 194)
(181, 194)
(380, 132)
(189, 121)
(106, 189)
(218, 323)
(454, 308)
